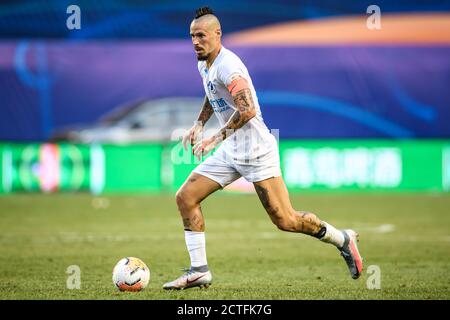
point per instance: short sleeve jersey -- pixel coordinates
(251, 141)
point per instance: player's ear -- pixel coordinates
(219, 32)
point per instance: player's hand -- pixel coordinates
(204, 146)
(192, 135)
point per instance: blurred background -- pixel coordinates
(90, 157)
(99, 108)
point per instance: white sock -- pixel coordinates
(333, 235)
(195, 243)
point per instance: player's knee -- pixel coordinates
(184, 200)
(180, 198)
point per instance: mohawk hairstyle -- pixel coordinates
(203, 11)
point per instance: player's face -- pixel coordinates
(205, 41)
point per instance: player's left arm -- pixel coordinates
(243, 101)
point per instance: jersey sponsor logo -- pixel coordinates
(211, 87)
(219, 105)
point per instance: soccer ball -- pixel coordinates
(131, 274)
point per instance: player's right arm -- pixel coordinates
(206, 112)
(204, 115)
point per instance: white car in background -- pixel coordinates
(161, 120)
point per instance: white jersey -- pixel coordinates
(253, 140)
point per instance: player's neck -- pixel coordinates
(213, 57)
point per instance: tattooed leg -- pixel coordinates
(308, 223)
(195, 222)
(188, 198)
(275, 199)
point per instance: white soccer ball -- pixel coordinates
(131, 274)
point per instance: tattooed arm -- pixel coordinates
(245, 111)
(206, 112)
(204, 115)
(245, 106)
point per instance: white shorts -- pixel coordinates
(223, 169)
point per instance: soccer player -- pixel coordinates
(247, 148)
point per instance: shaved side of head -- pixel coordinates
(206, 34)
(209, 21)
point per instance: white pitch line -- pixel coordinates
(383, 228)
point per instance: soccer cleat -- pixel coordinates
(351, 254)
(189, 280)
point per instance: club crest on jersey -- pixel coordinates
(211, 87)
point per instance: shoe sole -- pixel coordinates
(201, 286)
(355, 252)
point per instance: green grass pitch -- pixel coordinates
(406, 235)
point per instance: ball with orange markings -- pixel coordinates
(131, 274)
